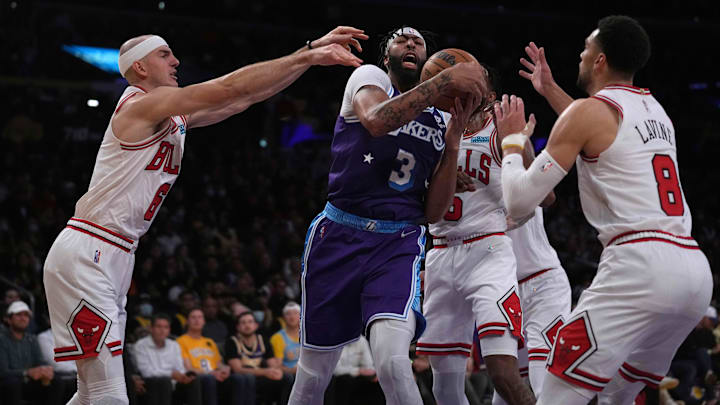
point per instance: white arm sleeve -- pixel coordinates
(365, 75)
(523, 190)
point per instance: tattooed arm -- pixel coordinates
(380, 114)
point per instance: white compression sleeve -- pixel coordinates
(524, 189)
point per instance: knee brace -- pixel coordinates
(390, 347)
(449, 379)
(101, 380)
(314, 371)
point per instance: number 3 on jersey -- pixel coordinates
(402, 179)
(671, 200)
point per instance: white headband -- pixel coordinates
(138, 52)
(403, 31)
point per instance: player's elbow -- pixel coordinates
(375, 127)
(516, 206)
(549, 200)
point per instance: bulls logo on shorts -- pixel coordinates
(89, 327)
(550, 331)
(512, 311)
(574, 343)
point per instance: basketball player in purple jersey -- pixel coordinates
(393, 169)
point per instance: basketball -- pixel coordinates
(439, 61)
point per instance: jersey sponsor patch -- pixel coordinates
(480, 139)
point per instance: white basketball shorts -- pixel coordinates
(471, 282)
(87, 275)
(645, 299)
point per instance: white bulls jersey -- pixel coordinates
(634, 185)
(130, 180)
(532, 249)
(482, 211)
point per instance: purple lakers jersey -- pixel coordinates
(383, 177)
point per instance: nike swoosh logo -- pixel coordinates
(403, 234)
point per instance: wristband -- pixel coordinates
(309, 44)
(515, 140)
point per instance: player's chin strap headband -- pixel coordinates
(138, 52)
(403, 31)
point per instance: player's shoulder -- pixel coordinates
(368, 74)
(587, 112)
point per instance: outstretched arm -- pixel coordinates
(241, 88)
(584, 121)
(344, 36)
(542, 80)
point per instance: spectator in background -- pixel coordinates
(65, 371)
(286, 342)
(692, 364)
(202, 357)
(355, 380)
(214, 327)
(138, 326)
(23, 372)
(187, 300)
(248, 355)
(160, 363)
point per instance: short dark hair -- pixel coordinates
(244, 314)
(624, 42)
(160, 315)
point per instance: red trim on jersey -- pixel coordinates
(128, 240)
(184, 120)
(532, 276)
(610, 102)
(496, 155)
(148, 143)
(116, 352)
(627, 87)
(65, 349)
(124, 100)
(469, 240)
(98, 237)
(140, 88)
(588, 159)
(113, 344)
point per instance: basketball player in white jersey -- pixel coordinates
(470, 277)
(653, 283)
(89, 266)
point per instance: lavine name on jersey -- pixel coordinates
(655, 130)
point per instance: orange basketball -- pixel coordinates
(439, 61)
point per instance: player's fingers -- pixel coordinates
(527, 64)
(530, 126)
(520, 106)
(356, 44)
(525, 74)
(533, 46)
(541, 56)
(497, 108)
(513, 103)
(505, 104)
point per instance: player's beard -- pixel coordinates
(583, 82)
(406, 78)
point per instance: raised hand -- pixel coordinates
(461, 114)
(333, 54)
(345, 36)
(538, 72)
(510, 117)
